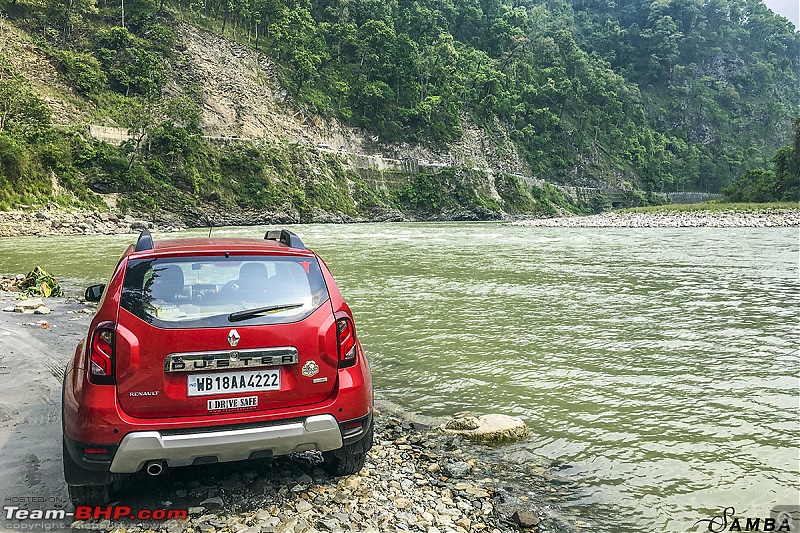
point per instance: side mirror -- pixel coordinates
(94, 292)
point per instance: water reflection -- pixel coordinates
(659, 365)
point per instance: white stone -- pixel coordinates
(402, 503)
(33, 303)
(495, 428)
(303, 506)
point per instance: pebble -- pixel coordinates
(458, 469)
(328, 524)
(31, 306)
(464, 523)
(303, 506)
(216, 501)
(352, 482)
(525, 519)
(402, 503)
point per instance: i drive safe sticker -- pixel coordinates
(226, 404)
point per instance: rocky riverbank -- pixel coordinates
(771, 218)
(417, 477)
(73, 222)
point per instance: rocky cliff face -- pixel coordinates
(242, 97)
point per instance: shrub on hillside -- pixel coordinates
(755, 185)
(781, 184)
(83, 71)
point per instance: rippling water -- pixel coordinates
(660, 365)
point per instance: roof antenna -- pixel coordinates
(210, 225)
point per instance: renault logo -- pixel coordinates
(233, 337)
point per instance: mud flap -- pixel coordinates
(84, 472)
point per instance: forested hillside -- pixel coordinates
(667, 95)
(678, 93)
(721, 77)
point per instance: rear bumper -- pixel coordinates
(320, 432)
(92, 413)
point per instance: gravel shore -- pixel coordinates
(693, 219)
(63, 222)
(415, 479)
(73, 222)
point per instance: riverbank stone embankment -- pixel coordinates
(46, 222)
(199, 218)
(63, 222)
(693, 219)
(416, 478)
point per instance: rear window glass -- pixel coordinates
(190, 292)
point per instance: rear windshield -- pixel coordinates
(190, 292)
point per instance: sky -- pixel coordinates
(788, 8)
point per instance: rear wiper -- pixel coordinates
(256, 311)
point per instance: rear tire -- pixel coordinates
(345, 464)
(89, 494)
(350, 458)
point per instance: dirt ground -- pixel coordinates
(32, 362)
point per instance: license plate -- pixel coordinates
(226, 404)
(229, 382)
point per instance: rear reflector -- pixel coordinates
(95, 451)
(347, 342)
(101, 357)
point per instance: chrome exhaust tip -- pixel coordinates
(154, 468)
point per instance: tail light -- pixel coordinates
(347, 342)
(101, 356)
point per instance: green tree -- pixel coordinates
(787, 168)
(757, 185)
(22, 113)
(130, 66)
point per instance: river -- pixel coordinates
(657, 367)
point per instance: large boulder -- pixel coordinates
(493, 428)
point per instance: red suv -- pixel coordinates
(212, 350)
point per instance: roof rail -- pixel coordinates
(286, 237)
(145, 242)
